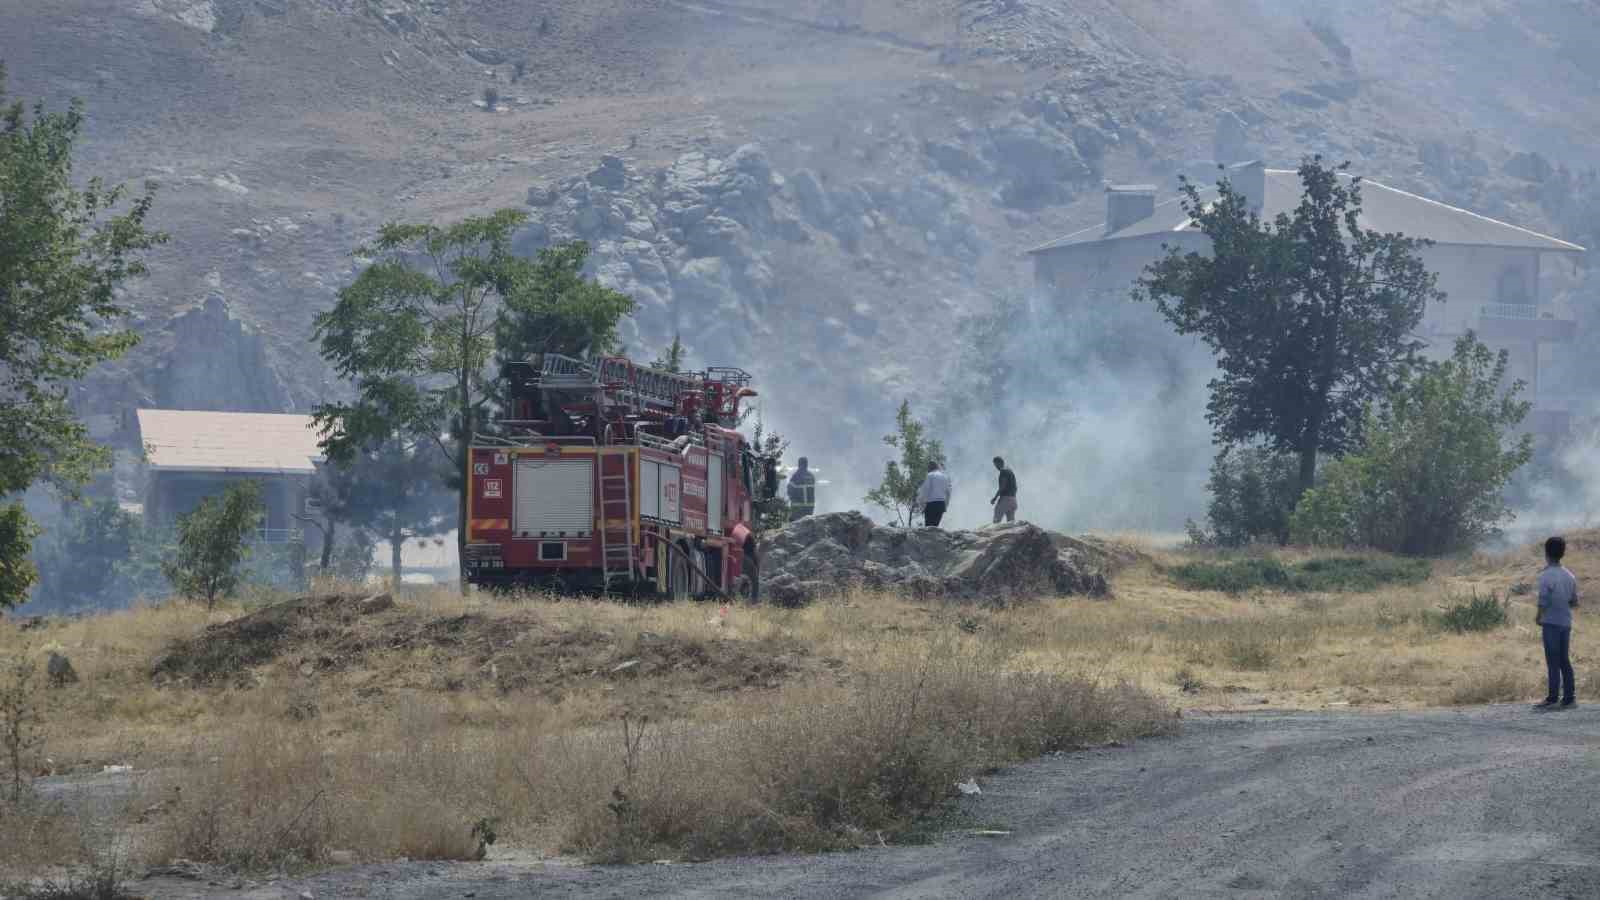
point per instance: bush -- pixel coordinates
(491, 98)
(1252, 495)
(1477, 614)
(1356, 573)
(902, 478)
(1436, 459)
(212, 543)
(1488, 686)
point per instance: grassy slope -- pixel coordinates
(516, 711)
(1324, 648)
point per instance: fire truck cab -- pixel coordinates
(618, 478)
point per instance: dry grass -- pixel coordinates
(408, 732)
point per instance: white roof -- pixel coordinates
(181, 440)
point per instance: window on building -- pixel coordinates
(1513, 287)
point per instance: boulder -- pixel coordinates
(612, 173)
(822, 555)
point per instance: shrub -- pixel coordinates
(902, 477)
(1437, 456)
(1354, 573)
(491, 98)
(1253, 492)
(1476, 614)
(1487, 686)
(212, 543)
(20, 724)
(1248, 654)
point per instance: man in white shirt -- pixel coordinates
(934, 494)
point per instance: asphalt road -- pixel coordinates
(1495, 802)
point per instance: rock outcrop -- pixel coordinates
(822, 555)
(694, 242)
(217, 363)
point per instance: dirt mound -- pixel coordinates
(371, 639)
(224, 651)
(823, 554)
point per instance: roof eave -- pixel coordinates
(231, 470)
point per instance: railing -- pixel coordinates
(656, 442)
(527, 439)
(1510, 311)
(280, 536)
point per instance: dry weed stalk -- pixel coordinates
(20, 721)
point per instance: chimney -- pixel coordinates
(1249, 180)
(1127, 204)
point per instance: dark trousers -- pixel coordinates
(932, 512)
(1558, 659)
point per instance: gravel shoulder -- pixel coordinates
(1487, 802)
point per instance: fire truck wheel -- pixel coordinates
(679, 577)
(701, 585)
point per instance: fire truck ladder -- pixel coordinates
(642, 387)
(639, 388)
(617, 545)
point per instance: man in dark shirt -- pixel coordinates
(1005, 499)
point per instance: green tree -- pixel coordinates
(1253, 493)
(212, 542)
(771, 513)
(672, 360)
(352, 556)
(550, 307)
(902, 477)
(1310, 316)
(1437, 457)
(17, 571)
(81, 560)
(397, 492)
(64, 252)
(415, 332)
(330, 490)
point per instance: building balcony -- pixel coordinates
(1522, 322)
(280, 536)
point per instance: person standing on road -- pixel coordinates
(933, 497)
(1558, 594)
(1005, 498)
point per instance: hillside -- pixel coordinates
(896, 156)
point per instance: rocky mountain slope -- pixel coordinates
(817, 190)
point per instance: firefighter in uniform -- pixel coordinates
(802, 492)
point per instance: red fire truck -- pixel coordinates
(609, 476)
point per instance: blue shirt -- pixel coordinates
(1558, 590)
